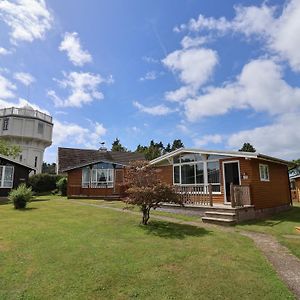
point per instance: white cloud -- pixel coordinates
(71, 44)
(278, 30)
(27, 19)
(194, 66)
(150, 59)
(158, 110)
(82, 88)
(208, 139)
(4, 51)
(190, 42)
(180, 94)
(281, 138)
(260, 86)
(25, 78)
(74, 134)
(7, 88)
(152, 75)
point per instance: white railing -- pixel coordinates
(195, 195)
(25, 112)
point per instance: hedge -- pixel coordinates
(41, 183)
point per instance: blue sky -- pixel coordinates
(215, 74)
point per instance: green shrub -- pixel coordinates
(20, 196)
(43, 183)
(62, 186)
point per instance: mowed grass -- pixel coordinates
(282, 226)
(58, 249)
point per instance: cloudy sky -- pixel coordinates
(214, 73)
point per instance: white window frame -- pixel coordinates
(205, 173)
(264, 170)
(3, 177)
(95, 184)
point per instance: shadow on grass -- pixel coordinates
(292, 215)
(173, 230)
(26, 208)
(4, 201)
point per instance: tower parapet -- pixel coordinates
(30, 129)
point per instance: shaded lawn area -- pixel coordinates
(120, 204)
(58, 249)
(282, 226)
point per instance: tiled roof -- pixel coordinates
(70, 158)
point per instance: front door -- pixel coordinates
(231, 175)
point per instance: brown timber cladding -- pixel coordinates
(264, 194)
(75, 185)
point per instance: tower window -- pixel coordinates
(35, 162)
(5, 123)
(40, 128)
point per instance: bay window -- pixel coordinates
(6, 176)
(100, 175)
(194, 169)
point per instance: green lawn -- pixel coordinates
(60, 249)
(282, 226)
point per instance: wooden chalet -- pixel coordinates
(95, 173)
(232, 185)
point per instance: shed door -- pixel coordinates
(231, 175)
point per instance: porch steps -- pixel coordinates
(218, 221)
(220, 217)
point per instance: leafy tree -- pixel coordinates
(8, 149)
(168, 148)
(49, 168)
(247, 147)
(177, 144)
(117, 146)
(145, 190)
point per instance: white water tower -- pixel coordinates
(30, 129)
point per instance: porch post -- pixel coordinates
(232, 195)
(210, 194)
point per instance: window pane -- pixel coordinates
(176, 159)
(101, 176)
(176, 174)
(199, 173)
(216, 188)
(188, 174)
(213, 172)
(8, 173)
(187, 158)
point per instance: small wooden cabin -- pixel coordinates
(12, 174)
(247, 179)
(95, 173)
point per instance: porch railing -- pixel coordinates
(240, 195)
(197, 195)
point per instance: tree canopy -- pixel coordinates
(9, 150)
(247, 147)
(145, 190)
(155, 149)
(117, 146)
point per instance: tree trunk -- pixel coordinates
(146, 216)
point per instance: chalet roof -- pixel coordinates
(70, 158)
(16, 161)
(218, 152)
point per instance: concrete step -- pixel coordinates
(218, 221)
(221, 215)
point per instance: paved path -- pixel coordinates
(284, 262)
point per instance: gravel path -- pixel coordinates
(284, 262)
